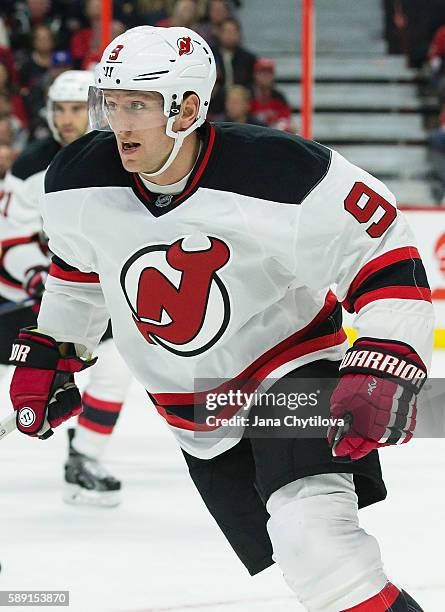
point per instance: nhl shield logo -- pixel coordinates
(163, 200)
(176, 296)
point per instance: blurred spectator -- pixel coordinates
(268, 104)
(412, 19)
(12, 132)
(4, 38)
(217, 12)
(184, 14)
(6, 159)
(35, 72)
(39, 11)
(36, 96)
(117, 27)
(27, 16)
(6, 131)
(7, 58)
(93, 57)
(394, 26)
(237, 107)
(436, 58)
(417, 21)
(153, 11)
(86, 41)
(235, 63)
(10, 99)
(437, 158)
(34, 69)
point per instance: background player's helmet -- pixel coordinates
(70, 86)
(170, 61)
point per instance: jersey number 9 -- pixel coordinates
(370, 201)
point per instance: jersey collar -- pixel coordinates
(167, 203)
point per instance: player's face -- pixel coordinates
(264, 78)
(237, 105)
(138, 122)
(6, 158)
(71, 120)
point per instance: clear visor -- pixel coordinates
(125, 111)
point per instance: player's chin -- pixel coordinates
(131, 164)
(69, 138)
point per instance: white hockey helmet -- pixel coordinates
(70, 86)
(169, 61)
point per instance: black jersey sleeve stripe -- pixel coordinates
(408, 273)
(63, 271)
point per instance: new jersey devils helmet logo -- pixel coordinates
(185, 45)
(177, 299)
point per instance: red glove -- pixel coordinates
(376, 397)
(42, 388)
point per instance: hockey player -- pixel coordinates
(213, 249)
(24, 265)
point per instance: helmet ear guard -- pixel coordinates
(178, 138)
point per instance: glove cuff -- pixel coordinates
(385, 359)
(33, 349)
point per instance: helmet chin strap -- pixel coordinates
(170, 159)
(179, 139)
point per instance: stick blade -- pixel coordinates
(7, 425)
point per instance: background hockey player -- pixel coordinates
(24, 267)
(213, 249)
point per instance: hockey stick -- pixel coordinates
(13, 306)
(7, 425)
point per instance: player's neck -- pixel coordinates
(182, 165)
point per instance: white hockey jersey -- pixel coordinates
(230, 279)
(20, 219)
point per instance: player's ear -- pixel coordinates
(189, 111)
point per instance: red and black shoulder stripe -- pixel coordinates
(397, 274)
(63, 271)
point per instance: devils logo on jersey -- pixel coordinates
(177, 299)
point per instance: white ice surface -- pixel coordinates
(161, 551)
